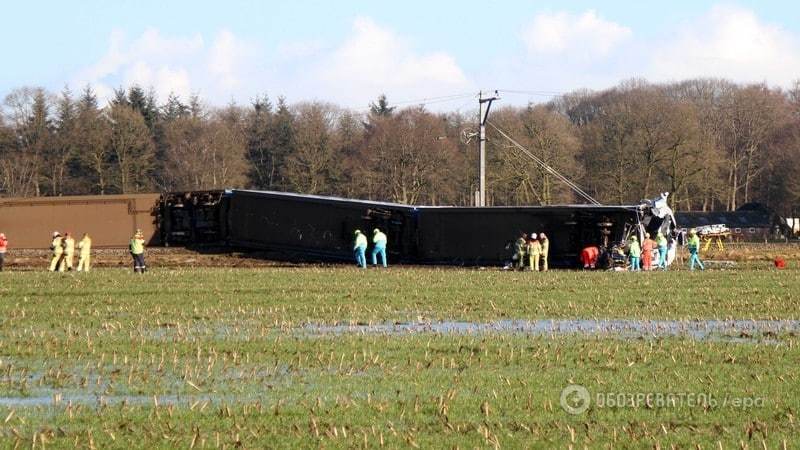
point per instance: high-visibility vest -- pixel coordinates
(69, 245)
(86, 246)
(137, 246)
(694, 243)
(57, 245)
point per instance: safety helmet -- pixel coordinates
(2, 235)
(357, 232)
(533, 235)
(647, 235)
(376, 231)
(634, 238)
(692, 231)
(542, 236)
(56, 234)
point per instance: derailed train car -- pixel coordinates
(313, 227)
(321, 228)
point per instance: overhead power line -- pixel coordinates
(547, 167)
(539, 93)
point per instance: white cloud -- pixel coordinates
(729, 42)
(587, 35)
(375, 60)
(369, 61)
(169, 64)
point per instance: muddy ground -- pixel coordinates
(31, 259)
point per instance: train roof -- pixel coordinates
(375, 203)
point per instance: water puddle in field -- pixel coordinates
(108, 400)
(732, 330)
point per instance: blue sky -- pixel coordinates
(348, 52)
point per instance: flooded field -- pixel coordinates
(697, 329)
(335, 357)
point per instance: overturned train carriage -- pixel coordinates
(307, 227)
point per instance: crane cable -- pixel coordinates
(547, 167)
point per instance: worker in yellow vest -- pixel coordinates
(85, 259)
(545, 243)
(57, 246)
(69, 251)
(534, 251)
(137, 252)
(694, 250)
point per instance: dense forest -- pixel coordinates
(713, 144)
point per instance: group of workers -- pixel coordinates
(63, 248)
(641, 256)
(379, 241)
(531, 252)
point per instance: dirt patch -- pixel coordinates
(29, 259)
(744, 252)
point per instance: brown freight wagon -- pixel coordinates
(109, 219)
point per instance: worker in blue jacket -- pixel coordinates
(379, 241)
(360, 249)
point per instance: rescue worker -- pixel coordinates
(57, 246)
(545, 250)
(360, 249)
(647, 252)
(136, 247)
(69, 251)
(379, 247)
(589, 256)
(520, 250)
(535, 251)
(85, 259)
(634, 252)
(661, 243)
(694, 250)
(3, 249)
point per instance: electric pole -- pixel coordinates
(485, 103)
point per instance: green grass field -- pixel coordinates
(209, 358)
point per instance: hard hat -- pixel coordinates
(56, 234)
(692, 231)
(647, 235)
(533, 235)
(542, 236)
(357, 232)
(2, 235)
(376, 231)
(633, 238)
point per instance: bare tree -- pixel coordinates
(313, 165)
(131, 149)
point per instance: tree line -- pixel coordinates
(713, 144)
